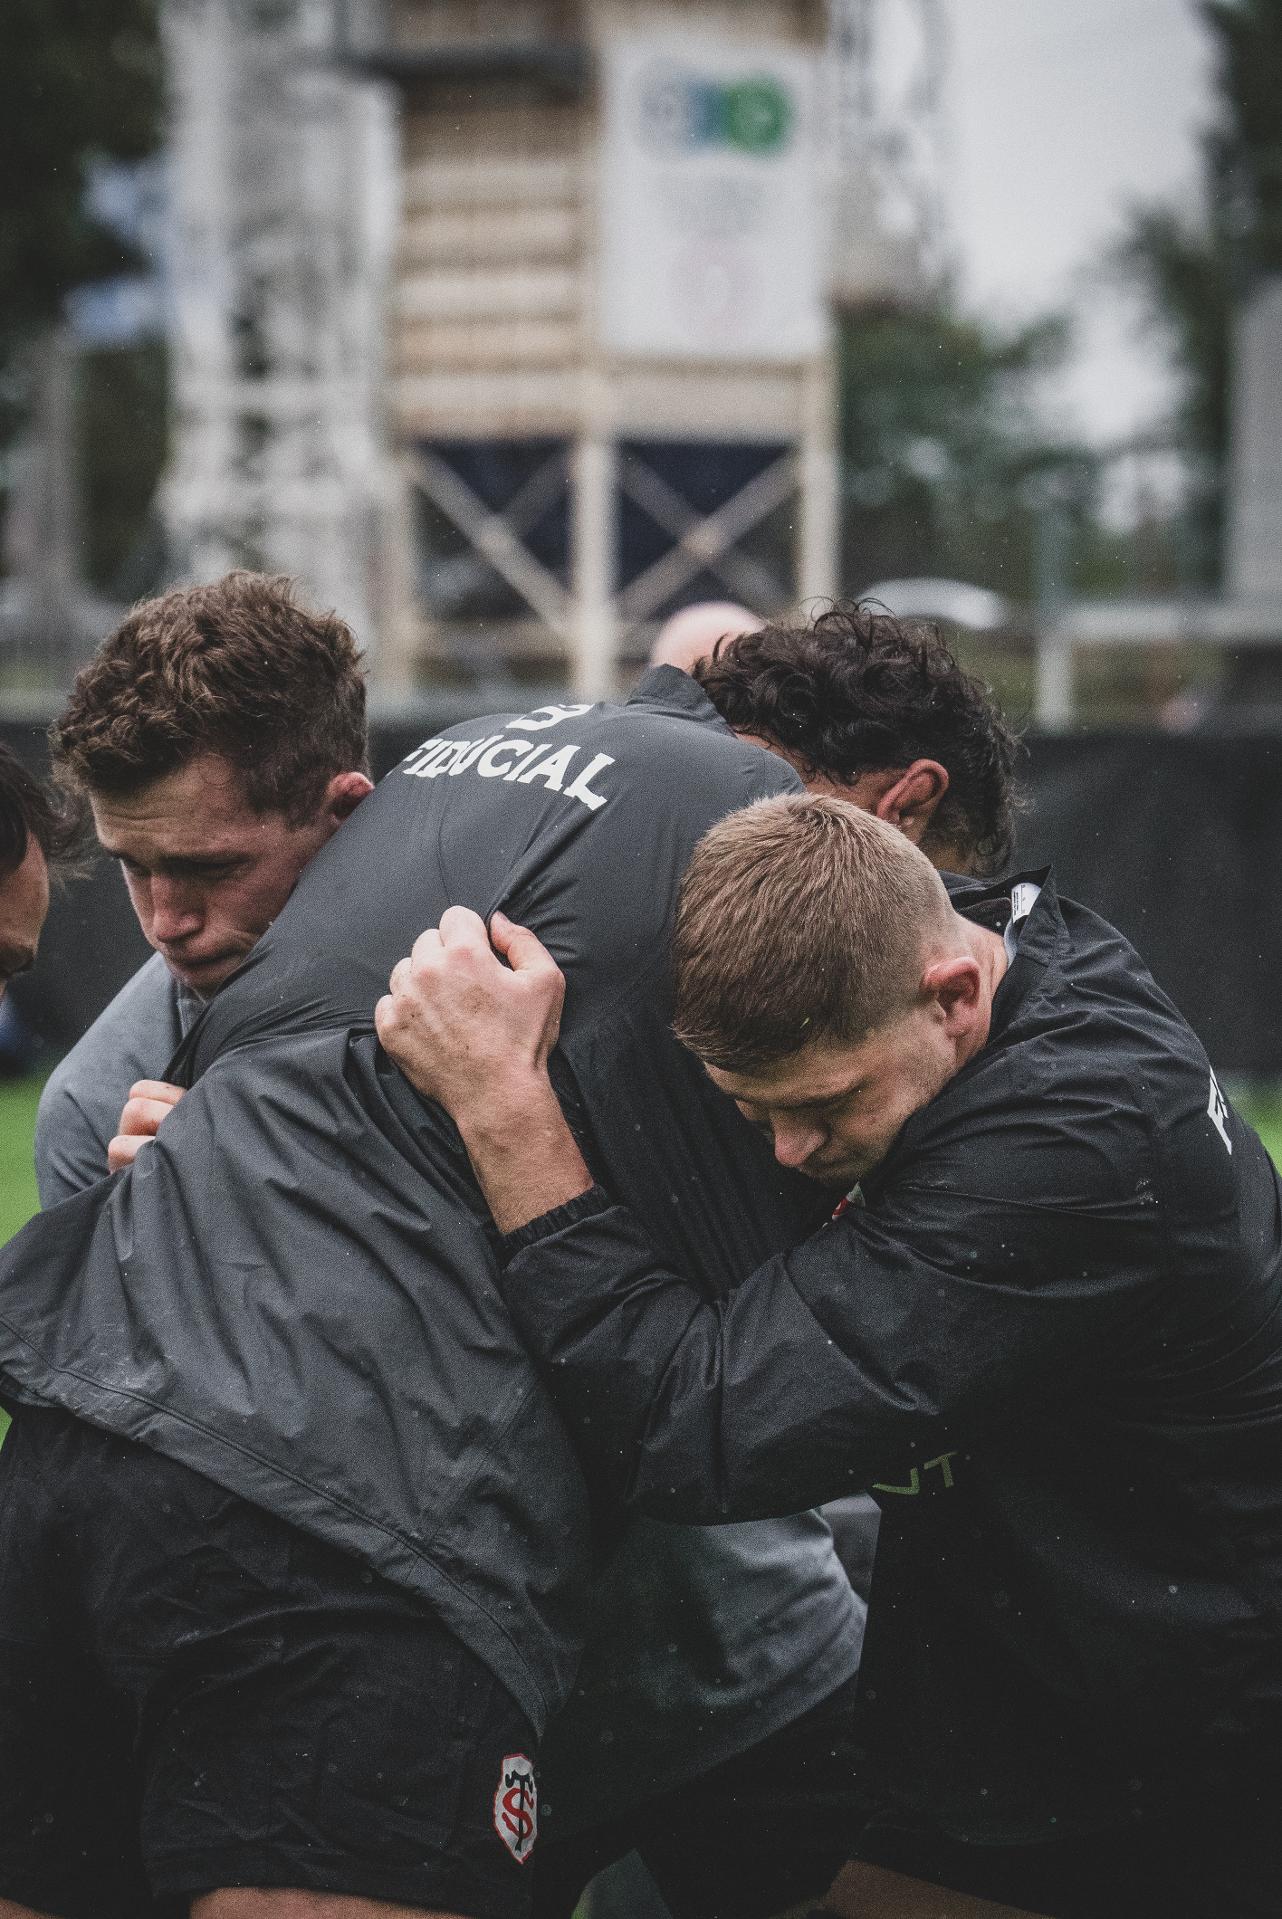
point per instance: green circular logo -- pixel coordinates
(758, 115)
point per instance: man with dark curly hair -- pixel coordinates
(37, 831)
(884, 703)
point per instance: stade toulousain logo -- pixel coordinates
(686, 113)
(516, 1806)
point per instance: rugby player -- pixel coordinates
(36, 832)
(704, 1731)
(219, 737)
(1045, 1326)
(681, 1681)
(690, 636)
(292, 1255)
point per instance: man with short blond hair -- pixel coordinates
(762, 946)
(1044, 1326)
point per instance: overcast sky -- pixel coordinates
(1060, 113)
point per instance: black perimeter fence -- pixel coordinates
(1174, 838)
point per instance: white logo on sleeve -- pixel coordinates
(1218, 1112)
(516, 1806)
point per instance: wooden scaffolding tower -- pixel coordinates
(563, 473)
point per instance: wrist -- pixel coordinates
(522, 1151)
(508, 1109)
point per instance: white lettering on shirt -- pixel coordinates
(421, 755)
(551, 771)
(579, 789)
(474, 753)
(528, 748)
(534, 722)
(515, 762)
(490, 766)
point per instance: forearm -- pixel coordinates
(694, 1410)
(523, 1153)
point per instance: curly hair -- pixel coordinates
(236, 668)
(857, 691)
(30, 811)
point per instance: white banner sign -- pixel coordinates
(710, 201)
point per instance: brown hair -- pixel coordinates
(799, 918)
(236, 668)
(856, 691)
(29, 811)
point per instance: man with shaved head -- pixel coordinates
(692, 634)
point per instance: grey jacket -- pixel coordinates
(295, 1289)
(79, 1114)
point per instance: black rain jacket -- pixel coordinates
(1050, 1342)
(295, 1291)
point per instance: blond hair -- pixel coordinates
(799, 918)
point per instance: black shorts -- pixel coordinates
(194, 1694)
(1214, 1851)
(756, 1834)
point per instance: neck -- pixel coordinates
(988, 950)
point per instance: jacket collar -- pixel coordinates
(666, 689)
(989, 902)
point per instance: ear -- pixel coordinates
(344, 794)
(910, 801)
(956, 986)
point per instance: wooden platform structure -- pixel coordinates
(529, 443)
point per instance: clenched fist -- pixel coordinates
(463, 1027)
(150, 1102)
(475, 1034)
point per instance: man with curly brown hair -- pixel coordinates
(218, 735)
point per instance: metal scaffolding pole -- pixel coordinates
(282, 170)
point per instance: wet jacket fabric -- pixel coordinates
(295, 1290)
(1051, 1342)
(79, 1113)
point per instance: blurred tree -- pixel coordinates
(947, 465)
(122, 422)
(79, 82)
(80, 85)
(1191, 271)
(1244, 149)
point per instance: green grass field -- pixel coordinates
(17, 1181)
(18, 1118)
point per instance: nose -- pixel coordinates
(175, 915)
(794, 1142)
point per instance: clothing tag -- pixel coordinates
(1024, 896)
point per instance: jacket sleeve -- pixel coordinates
(862, 1355)
(79, 1109)
(70, 1150)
